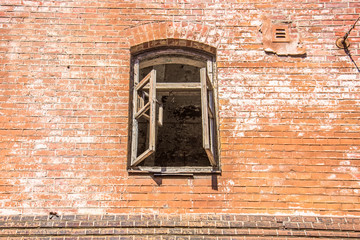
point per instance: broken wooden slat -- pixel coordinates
(152, 101)
(143, 82)
(142, 157)
(134, 137)
(161, 115)
(142, 110)
(183, 86)
(171, 60)
(205, 117)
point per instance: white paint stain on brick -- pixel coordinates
(348, 168)
(231, 182)
(262, 168)
(8, 212)
(91, 211)
(326, 127)
(347, 77)
(41, 143)
(332, 176)
(40, 146)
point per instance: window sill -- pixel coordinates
(174, 170)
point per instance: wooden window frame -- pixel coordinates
(207, 88)
(140, 109)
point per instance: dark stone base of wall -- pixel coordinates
(191, 226)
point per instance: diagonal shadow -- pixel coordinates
(347, 51)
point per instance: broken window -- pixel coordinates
(173, 117)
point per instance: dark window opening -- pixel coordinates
(173, 116)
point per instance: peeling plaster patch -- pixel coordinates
(290, 48)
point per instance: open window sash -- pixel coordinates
(208, 115)
(144, 105)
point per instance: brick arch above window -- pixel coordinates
(182, 34)
(173, 43)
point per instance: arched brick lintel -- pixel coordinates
(181, 34)
(170, 42)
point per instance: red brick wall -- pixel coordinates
(289, 126)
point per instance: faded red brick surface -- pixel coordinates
(289, 126)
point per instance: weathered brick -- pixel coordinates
(113, 238)
(288, 124)
(59, 224)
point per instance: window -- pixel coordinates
(173, 113)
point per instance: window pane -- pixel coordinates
(179, 141)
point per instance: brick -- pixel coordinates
(114, 238)
(113, 224)
(250, 224)
(108, 217)
(73, 223)
(236, 224)
(120, 231)
(86, 223)
(121, 217)
(68, 217)
(59, 224)
(167, 237)
(126, 238)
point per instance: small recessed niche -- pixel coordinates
(280, 34)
